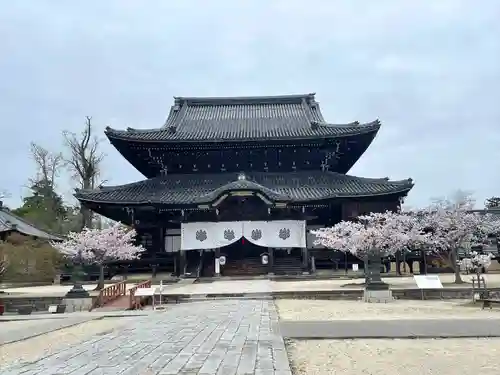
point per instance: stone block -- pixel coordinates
(77, 304)
(378, 296)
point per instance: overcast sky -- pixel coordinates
(429, 70)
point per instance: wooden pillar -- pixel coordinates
(216, 260)
(161, 239)
(305, 260)
(182, 262)
(270, 251)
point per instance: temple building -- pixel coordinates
(234, 184)
(10, 223)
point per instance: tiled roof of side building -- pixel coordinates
(288, 187)
(242, 118)
(11, 222)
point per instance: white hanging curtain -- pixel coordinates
(277, 234)
(209, 235)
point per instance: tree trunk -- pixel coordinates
(86, 217)
(455, 267)
(100, 283)
(154, 270)
(365, 269)
(398, 262)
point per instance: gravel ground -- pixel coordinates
(41, 346)
(352, 310)
(395, 357)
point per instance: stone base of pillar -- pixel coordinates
(378, 296)
(77, 304)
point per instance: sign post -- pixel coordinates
(427, 282)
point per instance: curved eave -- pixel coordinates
(400, 188)
(401, 191)
(322, 131)
(241, 186)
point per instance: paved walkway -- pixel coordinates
(24, 329)
(355, 329)
(209, 338)
(261, 286)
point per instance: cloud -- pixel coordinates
(428, 69)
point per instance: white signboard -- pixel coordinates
(355, 267)
(428, 281)
(145, 292)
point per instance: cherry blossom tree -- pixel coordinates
(454, 226)
(374, 236)
(476, 262)
(99, 246)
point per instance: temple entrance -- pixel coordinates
(242, 249)
(288, 261)
(243, 259)
(242, 244)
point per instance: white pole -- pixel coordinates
(161, 290)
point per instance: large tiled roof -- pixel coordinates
(11, 222)
(244, 118)
(290, 187)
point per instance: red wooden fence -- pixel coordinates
(110, 293)
(136, 302)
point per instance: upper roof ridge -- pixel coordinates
(244, 100)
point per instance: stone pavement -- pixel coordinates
(22, 330)
(223, 285)
(41, 316)
(210, 338)
(366, 329)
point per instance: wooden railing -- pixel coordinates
(137, 302)
(110, 293)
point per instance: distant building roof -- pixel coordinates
(11, 222)
(493, 211)
(244, 118)
(297, 186)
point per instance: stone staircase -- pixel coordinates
(244, 267)
(287, 265)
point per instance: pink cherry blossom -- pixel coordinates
(454, 227)
(384, 233)
(475, 262)
(101, 245)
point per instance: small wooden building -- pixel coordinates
(10, 223)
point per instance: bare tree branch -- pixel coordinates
(84, 162)
(4, 194)
(47, 165)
